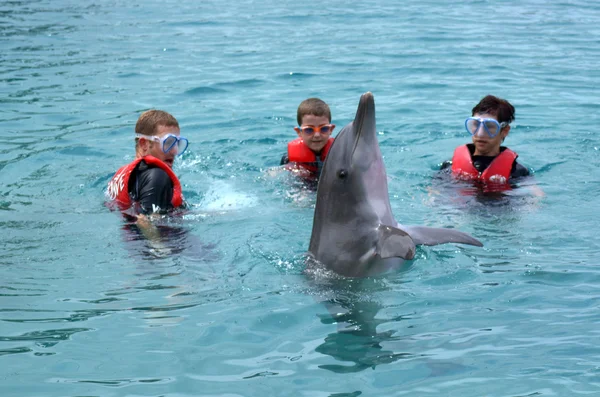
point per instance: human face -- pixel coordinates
(484, 145)
(317, 140)
(149, 147)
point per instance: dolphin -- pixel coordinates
(354, 231)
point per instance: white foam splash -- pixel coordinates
(222, 196)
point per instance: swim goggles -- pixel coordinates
(491, 126)
(168, 142)
(322, 129)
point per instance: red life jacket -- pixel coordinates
(118, 186)
(495, 176)
(301, 154)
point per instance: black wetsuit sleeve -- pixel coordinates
(284, 160)
(153, 191)
(446, 164)
(518, 170)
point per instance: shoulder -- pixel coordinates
(461, 153)
(446, 164)
(518, 170)
(153, 175)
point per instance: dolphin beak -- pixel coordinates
(366, 108)
(364, 121)
(366, 100)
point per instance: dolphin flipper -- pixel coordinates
(423, 235)
(395, 243)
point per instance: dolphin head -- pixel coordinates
(354, 231)
(352, 196)
(354, 172)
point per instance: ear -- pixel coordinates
(505, 132)
(144, 146)
(298, 131)
(332, 127)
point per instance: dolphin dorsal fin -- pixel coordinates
(394, 243)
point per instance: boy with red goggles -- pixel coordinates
(307, 153)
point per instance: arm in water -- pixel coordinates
(154, 192)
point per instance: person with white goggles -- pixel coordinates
(485, 160)
(148, 184)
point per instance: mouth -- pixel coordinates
(169, 162)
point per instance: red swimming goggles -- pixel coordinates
(311, 129)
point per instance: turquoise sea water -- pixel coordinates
(88, 309)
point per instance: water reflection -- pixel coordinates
(171, 238)
(356, 343)
(472, 196)
(43, 339)
(163, 266)
(357, 340)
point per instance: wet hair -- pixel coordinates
(500, 108)
(149, 121)
(313, 106)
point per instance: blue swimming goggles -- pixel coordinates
(168, 142)
(491, 126)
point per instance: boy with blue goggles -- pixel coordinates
(148, 185)
(168, 142)
(485, 159)
(491, 126)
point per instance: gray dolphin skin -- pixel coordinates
(354, 231)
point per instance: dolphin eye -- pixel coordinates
(342, 174)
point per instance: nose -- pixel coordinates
(174, 149)
(480, 130)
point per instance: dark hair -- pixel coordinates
(500, 108)
(149, 121)
(314, 106)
